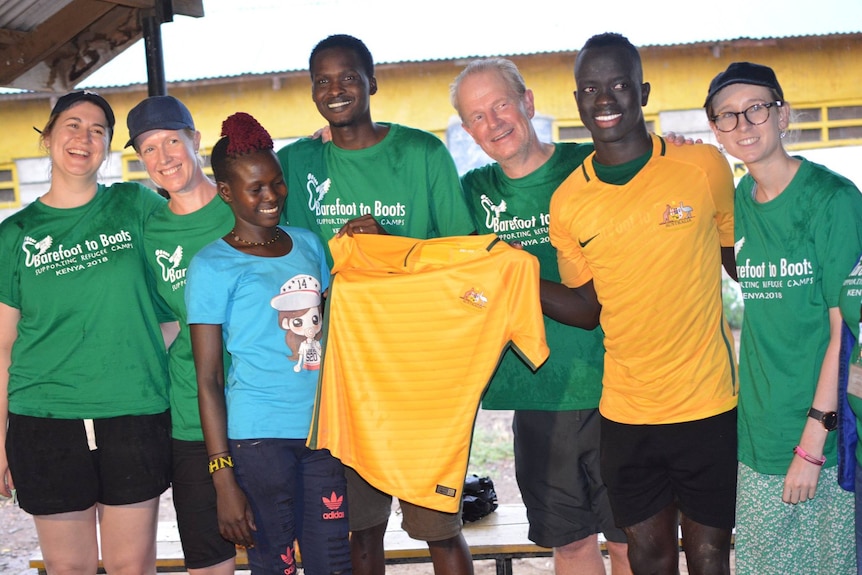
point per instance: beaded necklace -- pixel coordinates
(248, 243)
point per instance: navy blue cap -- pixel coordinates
(158, 113)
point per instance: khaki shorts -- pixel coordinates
(369, 507)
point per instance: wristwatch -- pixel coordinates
(829, 419)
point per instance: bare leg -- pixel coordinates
(129, 537)
(707, 549)
(619, 554)
(226, 567)
(581, 557)
(451, 556)
(68, 541)
(366, 550)
(653, 544)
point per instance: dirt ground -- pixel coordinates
(493, 458)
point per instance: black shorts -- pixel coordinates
(195, 503)
(64, 465)
(557, 467)
(691, 464)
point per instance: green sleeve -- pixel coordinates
(450, 214)
(838, 238)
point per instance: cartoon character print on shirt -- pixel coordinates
(298, 305)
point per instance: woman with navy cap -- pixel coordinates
(163, 134)
(83, 369)
(797, 235)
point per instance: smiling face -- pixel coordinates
(748, 142)
(307, 324)
(255, 190)
(495, 116)
(78, 140)
(341, 88)
(170, 157)
(610, 94)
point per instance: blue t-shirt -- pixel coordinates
(270, 313)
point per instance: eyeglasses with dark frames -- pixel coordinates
(756, 115)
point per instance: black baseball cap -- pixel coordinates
(158, 113)
(72, 98)
(744, 73)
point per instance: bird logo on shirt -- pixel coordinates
(33, 249)
(316, 191)
(169, 263)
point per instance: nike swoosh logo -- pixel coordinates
(584, 243)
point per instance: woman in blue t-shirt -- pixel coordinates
(253, 290)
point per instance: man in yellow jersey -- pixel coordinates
(642, 229)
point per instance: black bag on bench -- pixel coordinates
(480, 499)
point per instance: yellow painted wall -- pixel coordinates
(819, 69)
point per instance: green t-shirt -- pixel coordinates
(89, 344)
(792, 257)
(171, 241)
(407, 181)
(850, 303)
(517, 210)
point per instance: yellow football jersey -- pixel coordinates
(652, 247)
(415, 329)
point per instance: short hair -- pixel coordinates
(347, 42)
(506, 68)
(612, 40)
(241, 135)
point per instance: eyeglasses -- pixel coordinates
(756, 115)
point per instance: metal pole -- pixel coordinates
(151, 21)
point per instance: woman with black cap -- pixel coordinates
(83, 371)
(797, 235)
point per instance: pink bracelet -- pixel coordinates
(809, 458)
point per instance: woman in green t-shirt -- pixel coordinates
(163, 134)
(797, 234)
(83, 371)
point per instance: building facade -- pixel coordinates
(820, 76)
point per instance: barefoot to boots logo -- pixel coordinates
(333, 503)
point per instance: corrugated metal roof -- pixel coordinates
(26, 15)
(721, 42)
(8, 14)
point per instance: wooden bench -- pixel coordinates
(501, 536)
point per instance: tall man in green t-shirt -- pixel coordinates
(556, 417)
(377, 178)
